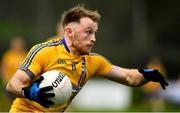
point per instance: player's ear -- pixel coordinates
(69, 32)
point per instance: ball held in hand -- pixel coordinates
(62, 87)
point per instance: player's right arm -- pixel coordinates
(19, 80)
(25, 82)
(20, 85)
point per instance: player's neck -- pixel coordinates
(71, 48)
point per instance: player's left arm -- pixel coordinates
(130, 77)
(135, 77)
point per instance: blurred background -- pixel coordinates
(132, 34)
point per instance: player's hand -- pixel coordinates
(40, 95)
(155, 76)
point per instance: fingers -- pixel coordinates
(49, 102)
(44, 96)
(164, 84)
(46, 103)
(47, 95)
(45, 89)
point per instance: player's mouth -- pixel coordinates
(90, 45)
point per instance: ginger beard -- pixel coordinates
(82, 48)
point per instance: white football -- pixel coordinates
(62, 87)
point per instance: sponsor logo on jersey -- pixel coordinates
(61, 61)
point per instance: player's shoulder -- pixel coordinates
(55, 41)
(47, 44)
(99, 57)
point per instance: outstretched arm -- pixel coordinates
(130, 77)
(136, 77)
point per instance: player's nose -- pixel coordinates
(93, 38)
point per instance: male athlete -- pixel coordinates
(70, 54)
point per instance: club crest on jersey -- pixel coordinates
(73, 65)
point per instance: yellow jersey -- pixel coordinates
(55, 55)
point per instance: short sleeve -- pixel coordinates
(34, 61)
(100, 65)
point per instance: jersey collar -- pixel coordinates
(65, 45)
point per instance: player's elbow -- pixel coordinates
(11, 86)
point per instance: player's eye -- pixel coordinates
(89, 32)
